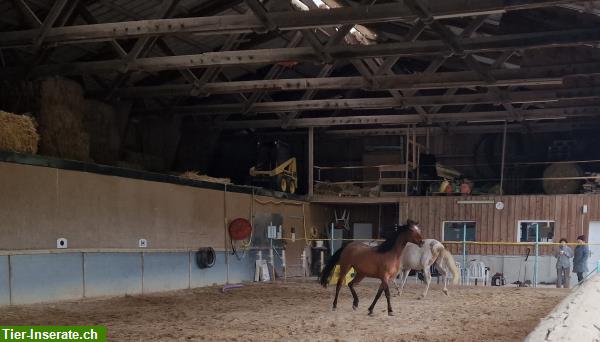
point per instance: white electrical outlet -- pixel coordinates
(61, 243)
(143, 243)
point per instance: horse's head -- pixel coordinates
(414, 234)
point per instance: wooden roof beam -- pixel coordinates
(270, 56)
(531, 96)
(548, 75)
(285, 20)
(537, 114)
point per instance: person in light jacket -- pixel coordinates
(563, 264)
(582, 253)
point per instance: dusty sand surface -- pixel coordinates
(302, 312)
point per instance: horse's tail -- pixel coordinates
(451, 264)
(326, 273)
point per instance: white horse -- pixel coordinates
(421, 258)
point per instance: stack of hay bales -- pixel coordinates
(554, 186)
(101, 123)
(61, 113)
(18, 133)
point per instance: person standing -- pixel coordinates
(563, 264)
(580, 258)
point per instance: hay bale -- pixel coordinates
(61, 124)
(197, 176)
(562, 186)
(18, 133)
(100, 121)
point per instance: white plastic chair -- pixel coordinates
(477, 271)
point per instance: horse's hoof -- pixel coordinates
(370, 314)
(354, 307)
(333, 309)
(390, 313)
(421, 297)
(445, 292)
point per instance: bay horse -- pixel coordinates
(421, 258)
(381, 262)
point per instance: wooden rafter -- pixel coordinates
(546, 75)
(282, 20)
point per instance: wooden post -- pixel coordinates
(399, 214)
(427, 140)
(503, 157)
(379, 223)
(406, 160)
(414, 143)
(311, 161)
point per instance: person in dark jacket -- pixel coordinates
(563, 264)
(580, 258)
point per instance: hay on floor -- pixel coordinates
(18, 133)
(197, 176)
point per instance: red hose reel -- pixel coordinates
(240, 229)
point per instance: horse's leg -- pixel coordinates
(386, 289)
(444, 273)
(442, 269)
(351, 285)
(405, 274)
(395, 282)
(343, 270)
(376, 299)
(427, 274)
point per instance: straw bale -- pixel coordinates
(197, 176)
(100, 122)
(18, 133)
(562, 186)
(61, 124)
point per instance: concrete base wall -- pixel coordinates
(4, 281)
(36, 278)
(113, 274)
(39, 278)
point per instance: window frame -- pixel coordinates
(458, 221)
(534, 221)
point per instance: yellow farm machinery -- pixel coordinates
(275, 167)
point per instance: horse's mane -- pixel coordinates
(390, 242)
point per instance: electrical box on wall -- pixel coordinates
(271, 231)
(584, 209)
(61, 243)
(142, 243)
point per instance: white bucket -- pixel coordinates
(319, 243)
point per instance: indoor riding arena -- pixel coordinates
(299, 170)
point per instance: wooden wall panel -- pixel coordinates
(502, 226)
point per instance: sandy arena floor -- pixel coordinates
(302, 312)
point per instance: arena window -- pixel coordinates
(527, 228)
(453, 230)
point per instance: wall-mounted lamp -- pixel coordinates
(476, 202)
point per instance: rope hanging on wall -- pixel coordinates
(206, 257)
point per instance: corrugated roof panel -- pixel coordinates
(104, 14)
(10, 16)
(65, 54)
